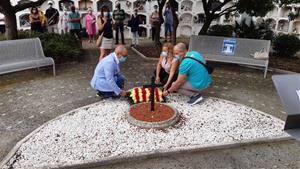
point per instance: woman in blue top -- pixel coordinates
(105, 28)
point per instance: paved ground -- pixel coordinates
(30, 98)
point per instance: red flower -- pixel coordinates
(137, 95)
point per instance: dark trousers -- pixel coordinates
(120, 28)
(153, 31)
(164, 76)
(120, 82)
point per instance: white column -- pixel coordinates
(291, 23)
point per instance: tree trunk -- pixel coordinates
(157, 35)
(11, 25)
(175, 26)
(205, 27)
(175, 21)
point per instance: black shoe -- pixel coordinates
(195, 99)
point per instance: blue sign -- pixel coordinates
(229, 46)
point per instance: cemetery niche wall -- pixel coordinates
(190, 12)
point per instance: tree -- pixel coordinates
(214, 9)
(9, 11)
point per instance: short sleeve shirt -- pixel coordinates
(196, 73)
(74, 25)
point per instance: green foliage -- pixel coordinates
(61, 48)
(252, 31)
(286, 45)
(254, 7)
(220, 30)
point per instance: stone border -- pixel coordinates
(144, 155)
(157, 125)
(143, 56)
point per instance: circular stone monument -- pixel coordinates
(163, 116)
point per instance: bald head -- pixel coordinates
(180, 50)
(180, 46)
(121, 51)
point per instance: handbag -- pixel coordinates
(209, 69)
(99, 40)
(262, 55)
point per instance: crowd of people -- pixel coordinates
(178, 70)
(104, 24)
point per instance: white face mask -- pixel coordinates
(105, 13)
(164, 54)
(122, 59)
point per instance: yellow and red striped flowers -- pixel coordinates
(140, 95)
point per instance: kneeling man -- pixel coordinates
(107, 79)
(193, 77)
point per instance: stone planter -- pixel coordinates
(164, 116)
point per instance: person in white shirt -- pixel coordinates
(64, 22)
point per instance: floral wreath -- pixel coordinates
(143, 95)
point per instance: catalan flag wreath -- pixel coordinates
(143, 95)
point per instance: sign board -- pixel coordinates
(229, 46)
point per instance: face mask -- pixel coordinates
(164, 54)
(105, 13)
(122, 59)
(177, 57)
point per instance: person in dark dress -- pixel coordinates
(35, 20)
(134, 23)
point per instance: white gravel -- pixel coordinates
(102, 131)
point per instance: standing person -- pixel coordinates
(35, 20)
(193, 77)
(168, 22)
(154, 21)
(43, 21)
(52, 16)
(90, 25)
(134, 24)
(75, 25)
(108, 79)
(105, 29)
(166, 69)
(119, 17)
(64, 22)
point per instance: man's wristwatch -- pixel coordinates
(168, 92)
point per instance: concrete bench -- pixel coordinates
(18, 55)
(211, 49)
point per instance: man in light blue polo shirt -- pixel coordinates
(193, 77)
(107, 79)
